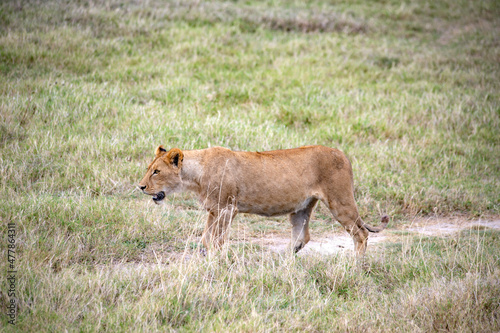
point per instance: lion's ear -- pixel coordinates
(174, 157)
(160, 151)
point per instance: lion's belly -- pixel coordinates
(270, 208)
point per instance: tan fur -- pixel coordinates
(270, 183)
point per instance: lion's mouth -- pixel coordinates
(159, 197)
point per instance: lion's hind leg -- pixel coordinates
(347, 215)
(300, 226)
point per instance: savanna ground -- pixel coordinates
(409, 90)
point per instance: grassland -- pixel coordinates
(409, 90)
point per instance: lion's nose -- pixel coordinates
(142, 187)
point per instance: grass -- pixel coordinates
(409, 91)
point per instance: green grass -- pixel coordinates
(410, 91)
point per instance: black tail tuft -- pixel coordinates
(384, 220)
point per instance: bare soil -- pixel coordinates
(339, 242)
(323, 244)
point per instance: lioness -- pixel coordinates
(271, 183)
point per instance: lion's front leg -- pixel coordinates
(216, 229)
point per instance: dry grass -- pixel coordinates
(409, 91)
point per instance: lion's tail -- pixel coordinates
(384, 220)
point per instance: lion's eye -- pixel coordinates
(156, 172)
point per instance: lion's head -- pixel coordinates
(163, 174)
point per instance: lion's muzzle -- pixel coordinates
(159, 197)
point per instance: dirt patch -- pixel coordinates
(342, 242)
(325, 245)
(335, 242)
(444, 227)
